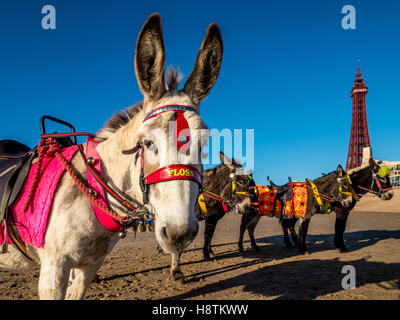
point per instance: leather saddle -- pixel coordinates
(284, 192)
(15, 161)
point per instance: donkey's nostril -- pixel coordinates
(164, 232)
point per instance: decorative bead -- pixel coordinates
(122, 234)
(91, 161)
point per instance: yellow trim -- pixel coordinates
(233, 186)
(352, 192)
(13, 233)
(213, 194)
(244, 193)
(316, 193)
(202, 204)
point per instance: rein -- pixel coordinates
(48, 147)
(211, 195)
(357, 196)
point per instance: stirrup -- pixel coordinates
(142, 225)
(4, 247)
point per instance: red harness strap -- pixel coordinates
(181, 127)
(174, 172)
(48, 146)
(104, 218)
(222, 201)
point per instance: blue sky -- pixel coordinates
(287, 71)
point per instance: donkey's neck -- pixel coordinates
(362, 178)
(121, 171)
(327, 183)
(217, 182)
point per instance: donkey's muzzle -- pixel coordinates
(387, 195)
(179, 237)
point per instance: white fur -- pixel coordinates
(76, 244)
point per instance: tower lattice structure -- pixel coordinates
(359, 136)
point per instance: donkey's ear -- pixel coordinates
(226, 161)
(208, 64)
(150, 59)
(340, 171)
(373, 165)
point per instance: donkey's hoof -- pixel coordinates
(304, 251)
(256, 248)
(241, 249)
(159, 250)
(178, 275)
(207, 257)
(341, 249)
(96, 279)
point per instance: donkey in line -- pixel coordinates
(362, 180)
(328, 185)
(367, 179)
(219, 180)
(252, 217)
(75, 243)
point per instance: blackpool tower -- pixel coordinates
(359, 136)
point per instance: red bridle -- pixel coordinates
(182, 140)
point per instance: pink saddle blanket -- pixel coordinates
(31, 225)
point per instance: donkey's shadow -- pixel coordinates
(304, 279)
(318, 243)
(273, 248)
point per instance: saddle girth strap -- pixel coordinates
(316, 193)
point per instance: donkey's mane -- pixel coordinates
(358, 169)
(214, 170)
(326, 177)
(122, 118)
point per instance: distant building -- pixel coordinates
(359, 135)
(395, 174)
(360, 146)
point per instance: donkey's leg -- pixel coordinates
(340, 227)
(250, 229)
(243, 226)
(208, 234)
(176, 272)
(294, 236)
(303, 229)
(293, 232)
(286, 236)
(210, 225)
(79, 279)
(53, 280)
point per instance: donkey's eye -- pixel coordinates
(147, 143)
(150, 146)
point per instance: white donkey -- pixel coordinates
(75, 243)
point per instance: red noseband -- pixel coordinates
(174, 172)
